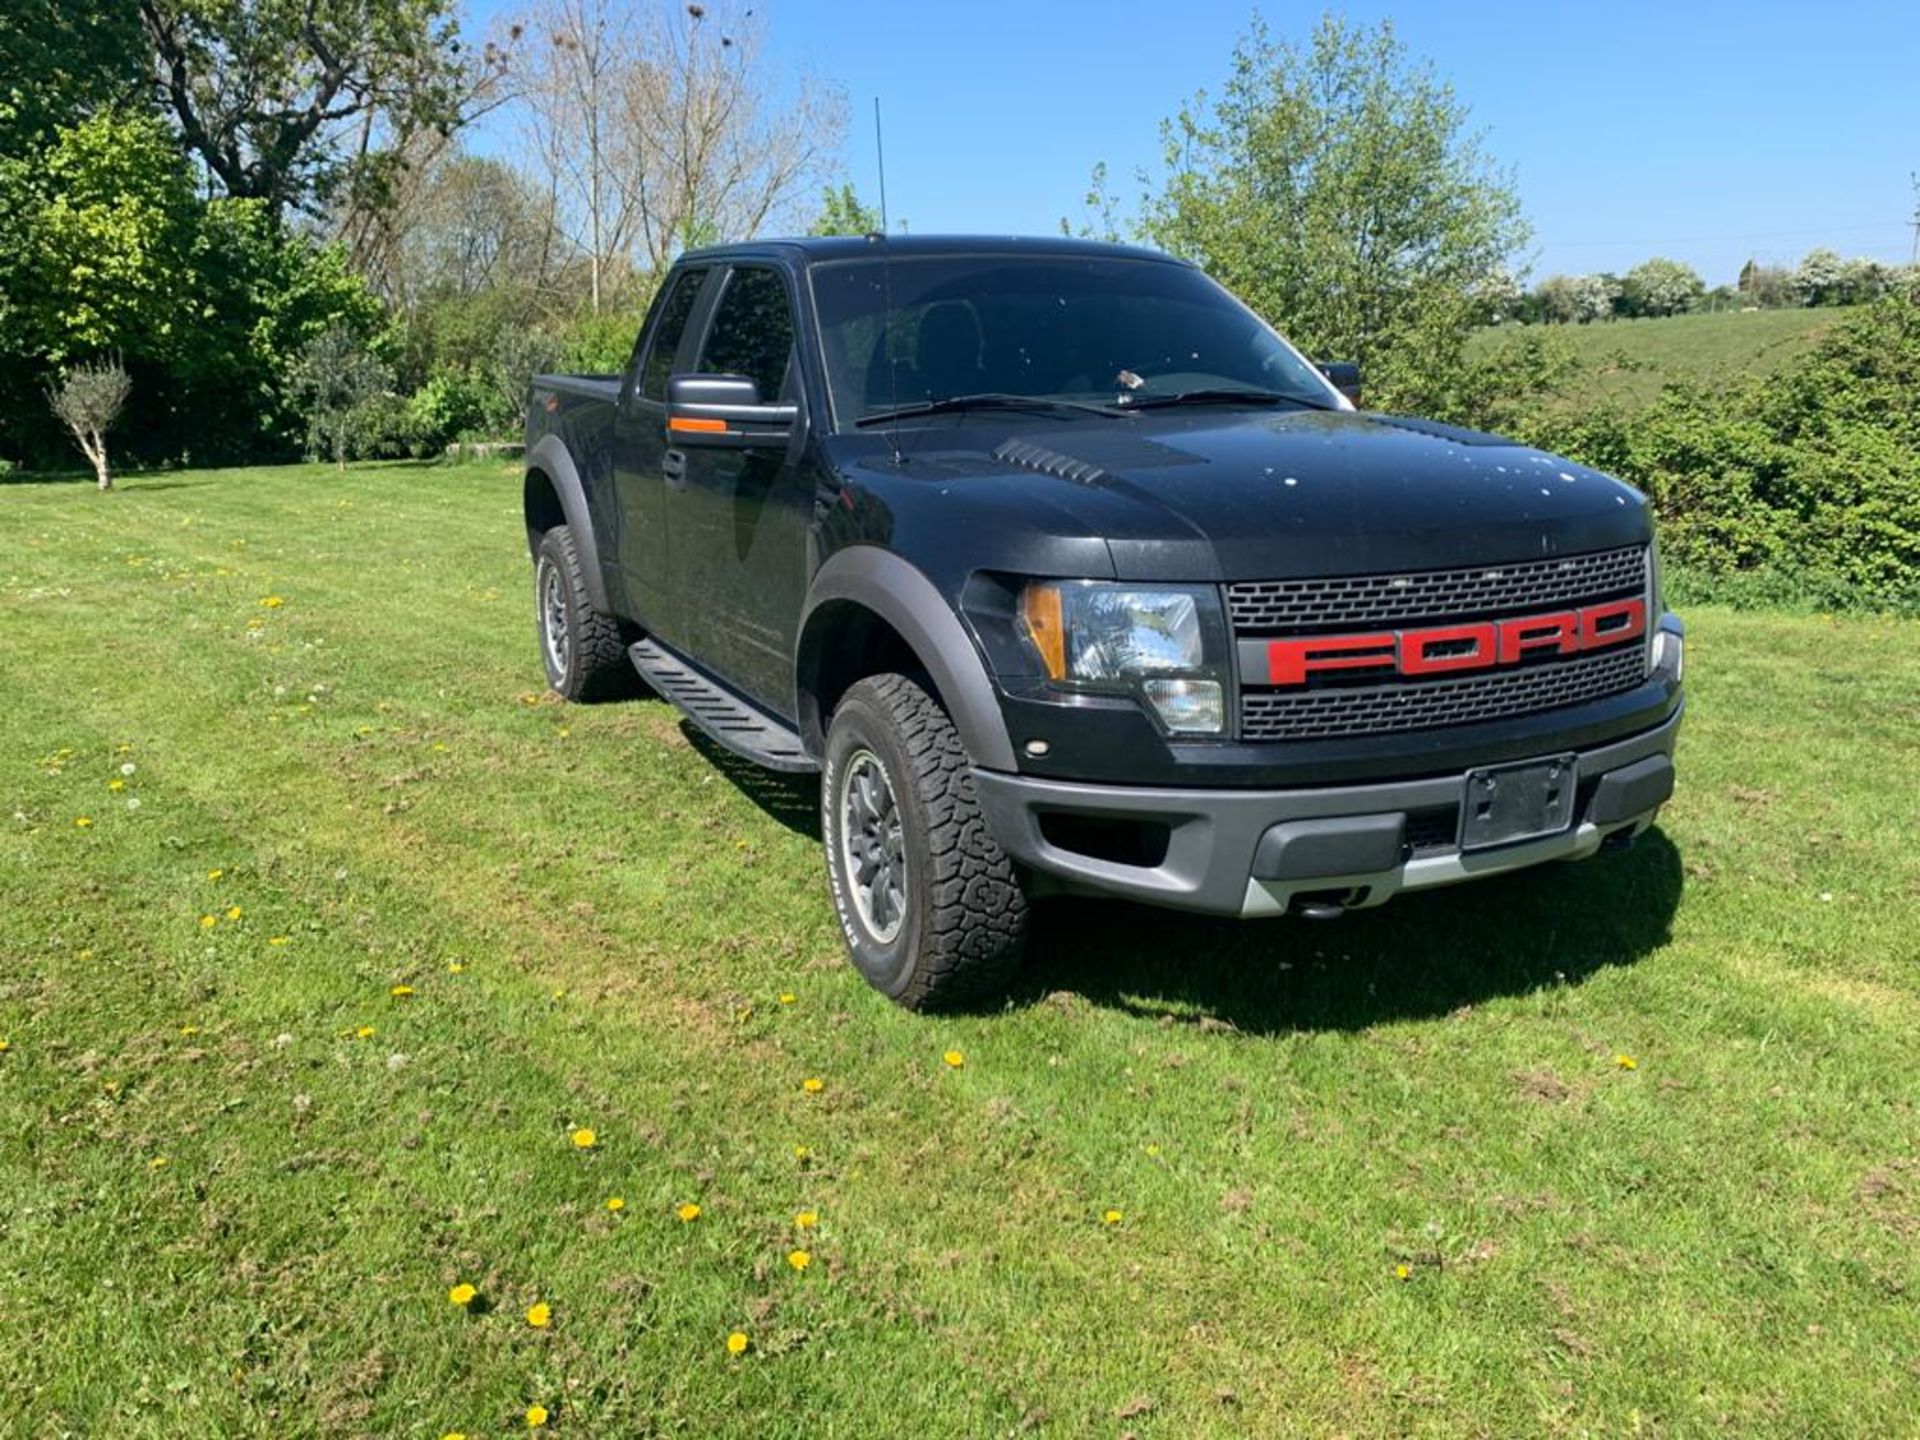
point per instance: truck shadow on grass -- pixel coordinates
(1418, 957)
(1421, 956)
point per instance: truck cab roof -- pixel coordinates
(813, 249)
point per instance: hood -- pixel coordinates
(1227, 495)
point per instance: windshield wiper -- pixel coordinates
(1224, 395)
(985, 400)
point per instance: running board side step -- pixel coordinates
(717, 712)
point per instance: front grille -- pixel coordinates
(1294, 607)
(1385, 709)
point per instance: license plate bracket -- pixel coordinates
(1505, 804)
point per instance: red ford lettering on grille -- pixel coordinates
(1443, 649)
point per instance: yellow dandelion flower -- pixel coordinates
(813, 1085)
(272, 602)
(540, 1315)
(462, 1294)
(189, 1029)
(806, 1219)
(614, 1202)
(799, 1259)
(954, 1059)
(1151, 1148)
(400, 992)
(688, 1212)
(5, 1045)
(207, 922)
(1402, 1272)
(215, 874)
(1626, 1062)
(1111, 1217)
(802, 1154)
(83, 822)
(454, 1435)
(787, 997)
(365, 1032)
(116, 785)
(159, 1162)
(585, 1139)
(536, 1416)
(455, 967)
(234, 912)
(737, 1343)
(278, 940)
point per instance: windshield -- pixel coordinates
(1092, 329)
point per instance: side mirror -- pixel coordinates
(1345, 376)
(725, 412)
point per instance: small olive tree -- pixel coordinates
(88, 399)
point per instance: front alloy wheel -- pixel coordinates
(871, 846)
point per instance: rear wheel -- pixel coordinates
(930, 906)
(581, 647)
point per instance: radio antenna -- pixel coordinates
(880, 156)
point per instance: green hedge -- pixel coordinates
(1804, 485)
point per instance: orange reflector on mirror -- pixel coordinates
(697, 422)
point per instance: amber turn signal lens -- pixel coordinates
(697, 423)
(1040, 608)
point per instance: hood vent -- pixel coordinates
(1050, 462)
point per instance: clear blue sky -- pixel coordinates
(1708, 132)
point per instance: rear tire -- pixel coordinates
(580, 646)
(930, 906)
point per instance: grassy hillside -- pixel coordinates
(324, 934)
(1629, 360)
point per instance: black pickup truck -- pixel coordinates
(1066, 573)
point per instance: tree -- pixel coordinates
(1817, 280)
(843, 213)
(88, 399)
(1662, 287)
(60, 62)
(298, 101)
(104, 250)
(582, 55)
(340, 383)
(1336, 188)
(1862, 280)
(1099, 210)
(1595, 297)
(714, 162)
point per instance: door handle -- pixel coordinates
(673, 468)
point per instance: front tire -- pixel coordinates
(580, 646)
(930, 906)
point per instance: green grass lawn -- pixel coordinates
(1627, 361)
(1629, 1147)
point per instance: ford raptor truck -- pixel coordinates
(1065, 573)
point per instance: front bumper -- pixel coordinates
(1258, 852)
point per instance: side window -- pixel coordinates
(752, 332)
(674, 311)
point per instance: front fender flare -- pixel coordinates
(906, 599)
(549, 456)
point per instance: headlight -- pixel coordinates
(1166, 645)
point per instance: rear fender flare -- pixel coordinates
(549, 456)
(906, 599)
